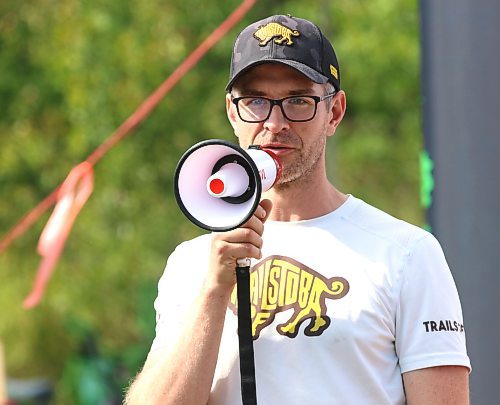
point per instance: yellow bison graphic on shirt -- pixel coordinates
(278, 284)
(280, 32)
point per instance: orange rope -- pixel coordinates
(152, 101)
(74, 192)
(71, 197)
(134, 120)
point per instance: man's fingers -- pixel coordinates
(266, 206)
(256, 222)
(263, 210)
(242, 235)
(242, 242)
(234, 249)
(247, 250)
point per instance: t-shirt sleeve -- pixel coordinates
(178, 288)
(429, 323)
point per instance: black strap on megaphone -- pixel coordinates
(247, 364)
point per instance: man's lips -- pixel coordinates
(278, 148)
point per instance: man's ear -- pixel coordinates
(231, 112)
(337, 111)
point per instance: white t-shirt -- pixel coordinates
(342, 305)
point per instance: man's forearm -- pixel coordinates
(184, 374)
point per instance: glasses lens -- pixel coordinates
(253, 109)
(299, 108)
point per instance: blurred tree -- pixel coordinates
(72, 72)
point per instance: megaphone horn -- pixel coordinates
(218, 185)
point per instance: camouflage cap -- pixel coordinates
(292, 41)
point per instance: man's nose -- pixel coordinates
(276, 122)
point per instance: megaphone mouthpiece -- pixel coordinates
(231, 180)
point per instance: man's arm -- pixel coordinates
(183, 374)
(437, 386)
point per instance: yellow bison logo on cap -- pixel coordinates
(280, 32)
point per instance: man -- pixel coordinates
(349, 305)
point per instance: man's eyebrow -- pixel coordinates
(300, 92)
(250, 92)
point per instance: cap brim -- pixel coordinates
(307, 71)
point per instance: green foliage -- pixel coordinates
(72, 72)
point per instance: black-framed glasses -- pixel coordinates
(255, 109)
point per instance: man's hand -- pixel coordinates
(243, 242)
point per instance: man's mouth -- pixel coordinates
(277, 148)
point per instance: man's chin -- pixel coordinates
(285, 181)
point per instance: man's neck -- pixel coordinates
(302, 200)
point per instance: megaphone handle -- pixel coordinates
(247, 364)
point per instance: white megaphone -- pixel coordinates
(218, 185)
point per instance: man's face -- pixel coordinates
(299, 145)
